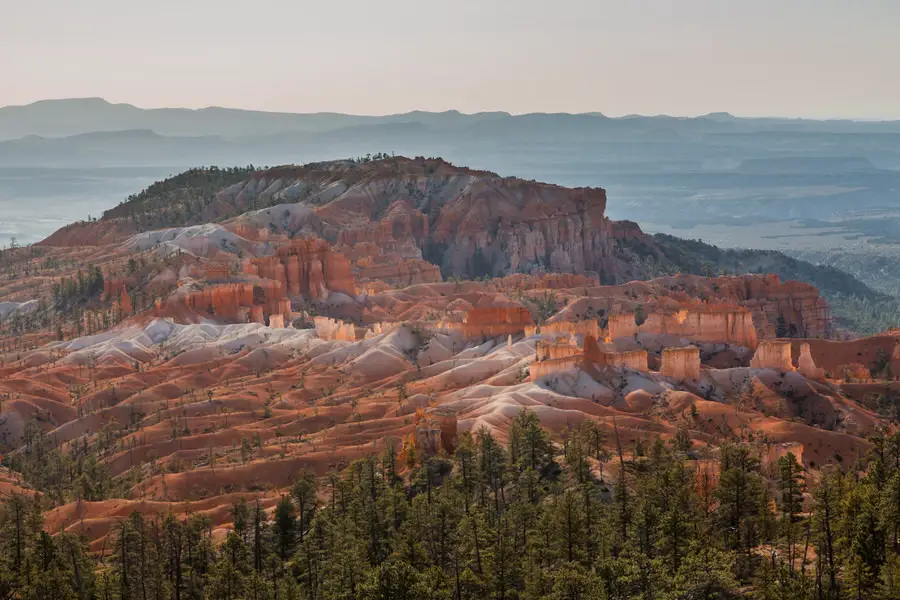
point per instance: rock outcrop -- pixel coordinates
(436, 430)
(880, 354)
(773, 354)
(807, 366)
(112, 287)
(700, 323)
(398, 272)
(557, 349)
(537, 370)
(492, 322)
(682, 364)
(333, 329)
(306, 267)
(230, 302)
(125, 305)
(567, 329)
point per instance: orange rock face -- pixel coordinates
(553, 350)
(699, 323)
(794, 307)
(681, 363)
(232, 302)
(400, 272)
(632, 359)
(493, 322)
(112, 287)
(804, 312)
(400, 224)
(217, 271)
(333, 329)
(536, 370)
(773, 354)
(807, 366)
(220, 300)
(307, 267)
(436, 430)
(555, 357)
(125, 304)
(876, 353)
(567, 328)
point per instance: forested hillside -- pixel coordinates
(541, 519)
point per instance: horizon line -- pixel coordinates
(723, 113)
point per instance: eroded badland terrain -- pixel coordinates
(224, 331)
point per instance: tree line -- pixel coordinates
(530, 520)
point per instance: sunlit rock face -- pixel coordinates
(807, 366)
(773, 354)
(681, 363)
(730, 324)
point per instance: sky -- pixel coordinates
(810, 58)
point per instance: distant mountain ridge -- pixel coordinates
(66, 117)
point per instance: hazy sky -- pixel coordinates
(816, 58)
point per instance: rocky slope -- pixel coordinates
(405, 221)
(309, 324)
(469, 223)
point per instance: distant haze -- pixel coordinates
(811, 58)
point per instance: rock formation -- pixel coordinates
(798, 306)
(492, 322)
(231, 302)
(332, 329)
(537, 370)
(436, 430)
(773, 354)
(471, 222)
(556, 349)
(807, 366)
(880, 354)
(125, 305)
(554, 357)
(682, 364)
(567, 329)
(217, 271)
(699, 323)
(112, 287)
(307, 267)
(222, 301)
(635, 360)
(399, 272)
